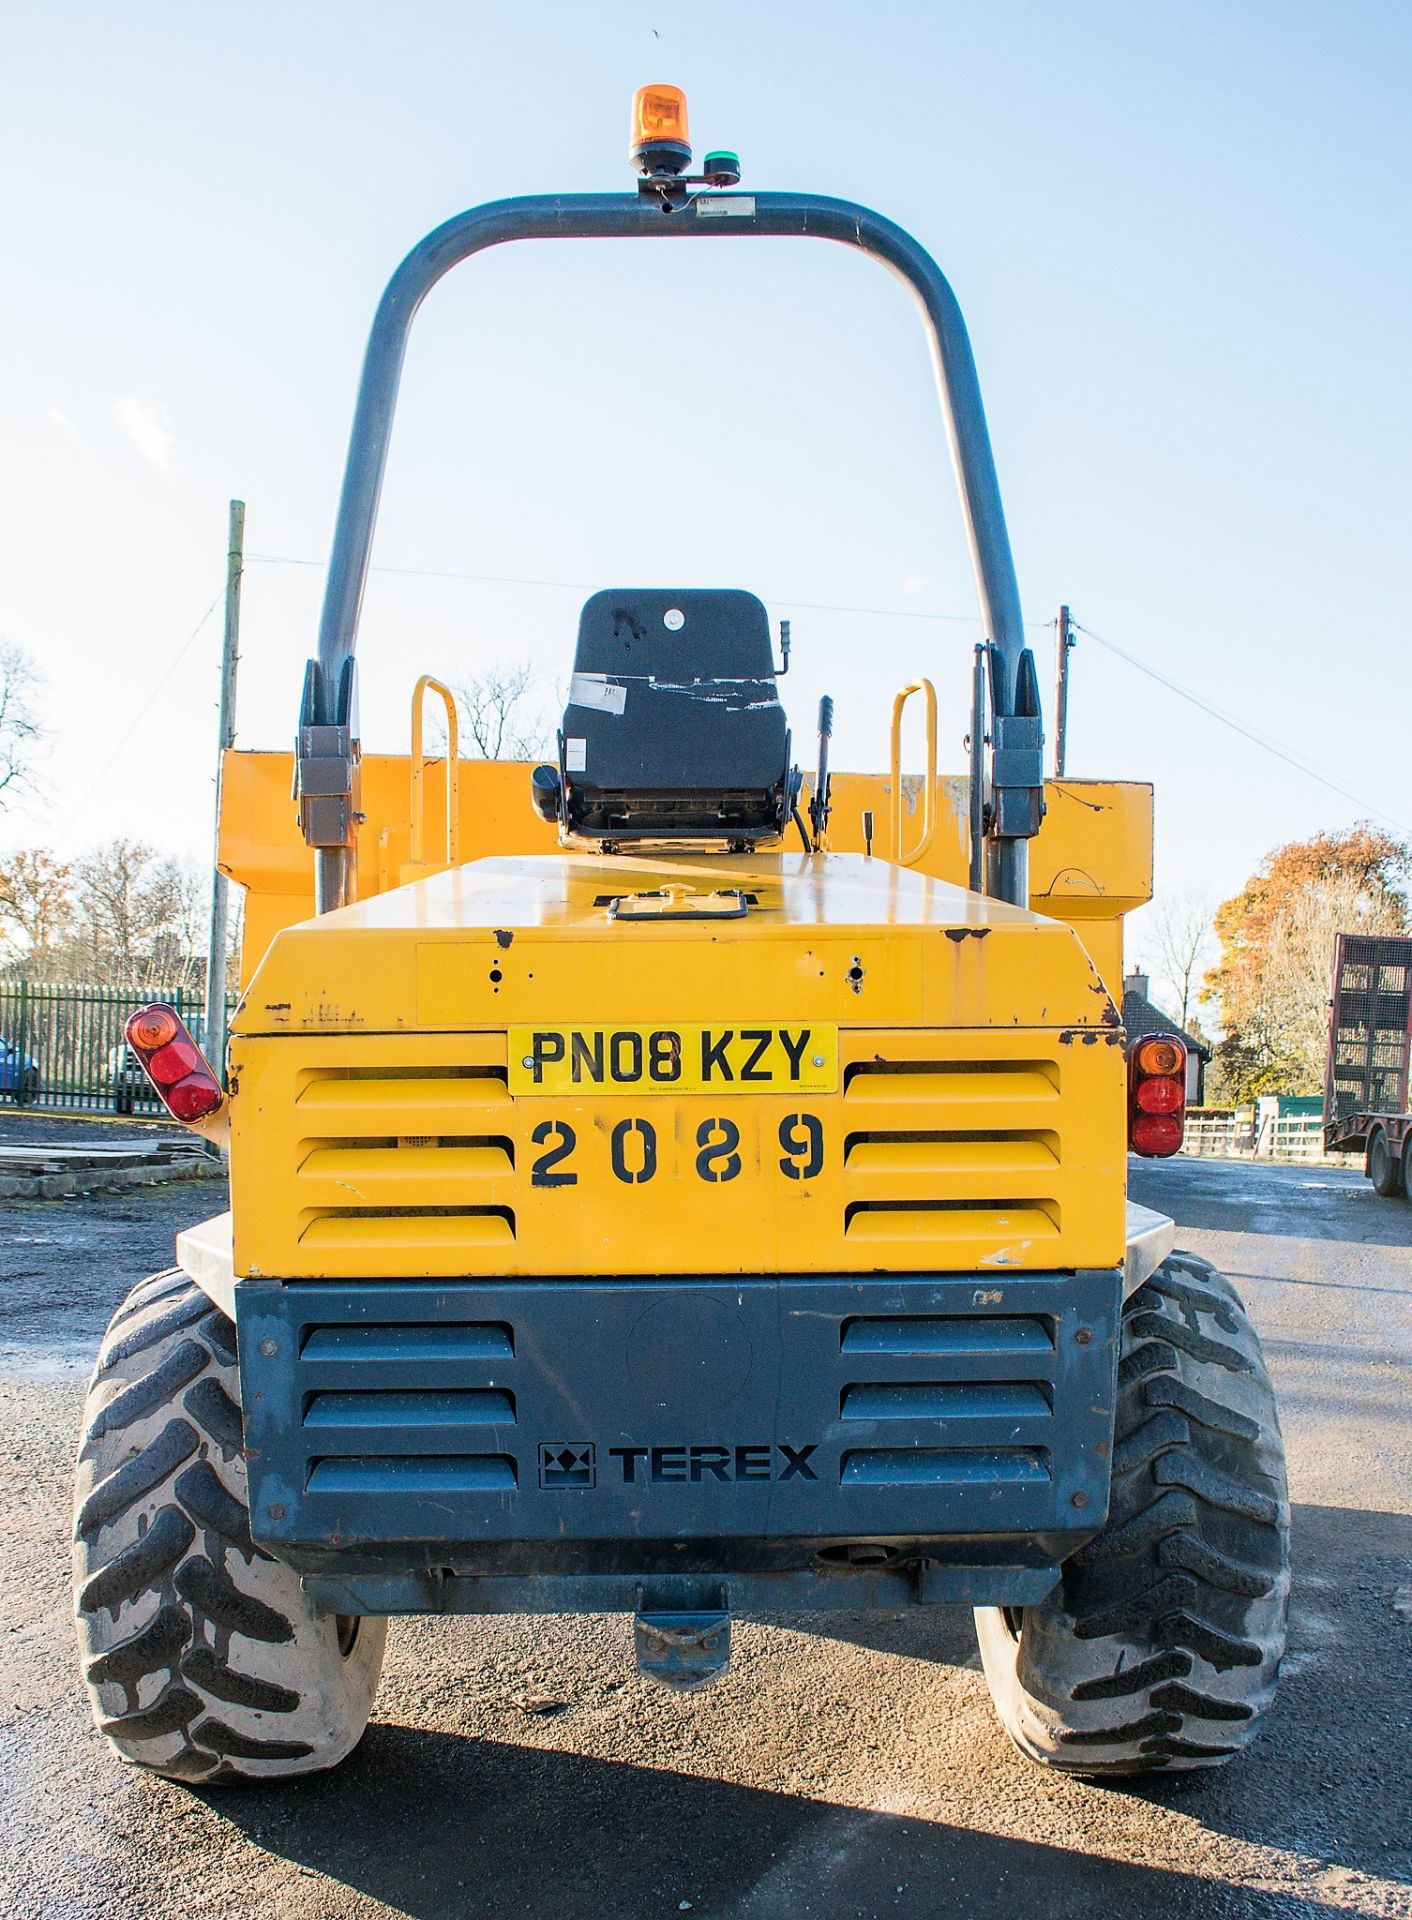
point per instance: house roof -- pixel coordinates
(1140, 1017)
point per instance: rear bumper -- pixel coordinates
(1353, 1132)
(556, 1445)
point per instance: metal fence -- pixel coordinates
(63, 1046)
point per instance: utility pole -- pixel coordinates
(220, 886)
(1061, 693)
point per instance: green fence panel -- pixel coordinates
(65, 1049)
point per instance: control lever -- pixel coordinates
(819, 805)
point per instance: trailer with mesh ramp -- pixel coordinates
(1366, 1105)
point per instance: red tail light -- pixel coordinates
(1157, 1096)
(172, 1061)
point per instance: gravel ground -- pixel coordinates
(844, 1768)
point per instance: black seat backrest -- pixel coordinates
(673, 725)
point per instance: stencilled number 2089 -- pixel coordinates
(715, 1156)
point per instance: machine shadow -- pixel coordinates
(1331, 1775)
(435, 1824)
(1331, 1771)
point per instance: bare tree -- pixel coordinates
(178, 906)
(139, 915)
(36, 904)
(235, 940)
(112, 907)
(499, 717)
(20, 728)
(1183, 936)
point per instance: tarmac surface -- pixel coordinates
(846, 1767)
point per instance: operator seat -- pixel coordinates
(674, 727)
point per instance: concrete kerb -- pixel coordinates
(50, 1179)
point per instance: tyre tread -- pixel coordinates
(1160, 1649)
(139, 1335)
(137, 1476)
(197, 1645)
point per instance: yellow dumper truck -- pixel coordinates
(678, 1183)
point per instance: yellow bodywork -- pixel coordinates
(1090, 864)
(958, 1093)
(974, 1121)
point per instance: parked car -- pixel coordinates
(128, 1085)
(19, 1073)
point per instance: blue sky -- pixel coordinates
(1179, 234)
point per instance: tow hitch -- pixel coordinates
(683, 1647)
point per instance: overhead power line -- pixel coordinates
(1291, 757)
(588, 586)
(144, 710)
(1268, 743)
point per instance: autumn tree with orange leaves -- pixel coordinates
(1277, 948)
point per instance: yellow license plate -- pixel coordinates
(637, 1060)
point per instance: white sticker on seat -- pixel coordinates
(596, 690)
(575, 755)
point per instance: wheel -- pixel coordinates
(1160, 1648)
(1407, 1168)
(26, 1086)
(204, 1659)
(123, 1100)
(1384, 1167)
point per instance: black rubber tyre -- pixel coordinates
(1160, 1648)
(1384, 1167)
(123, 1101)
(26, 1086)
(1407, 1169)
(203, 1657)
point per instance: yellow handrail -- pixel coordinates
(929, 790)
(418, 864)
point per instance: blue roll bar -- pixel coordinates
(590, 216)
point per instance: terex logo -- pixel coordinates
(690, 1465)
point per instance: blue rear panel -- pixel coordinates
(522, 1429)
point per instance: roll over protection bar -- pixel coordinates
(591, 216)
